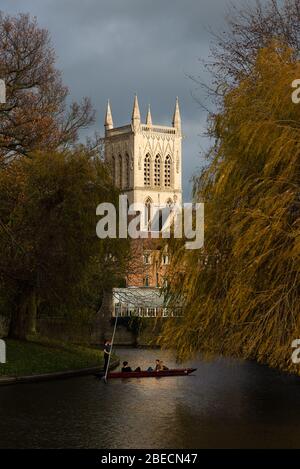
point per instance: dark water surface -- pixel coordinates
(225, 404)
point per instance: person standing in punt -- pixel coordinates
(106, 352)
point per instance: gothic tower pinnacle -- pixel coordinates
(176, 116)
(149, 118)
(136, 116)
(108, 118)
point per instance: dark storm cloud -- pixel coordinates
(113, 49)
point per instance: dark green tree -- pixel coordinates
(49, 249)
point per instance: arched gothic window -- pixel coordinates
(120, 172)
(147, 170)
(168, 171)
(148, 204)
(127, 170)
(157, 171)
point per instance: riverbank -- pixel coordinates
(42, 359)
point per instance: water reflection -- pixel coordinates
(225, 404)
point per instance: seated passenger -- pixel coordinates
(126, 368)
(164, 367)
(160, 366)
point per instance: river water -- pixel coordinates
(226, 404)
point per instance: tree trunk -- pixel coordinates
(32, 313)
(23, 320)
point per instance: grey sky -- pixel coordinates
(113, 49)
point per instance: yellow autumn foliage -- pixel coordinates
(242, 291)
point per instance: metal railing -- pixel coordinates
(145, 312)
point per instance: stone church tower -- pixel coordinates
(145, 159)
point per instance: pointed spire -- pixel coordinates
(149, 118)
(176, 117)
(108, 118)
(136, 116)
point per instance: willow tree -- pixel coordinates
(242, 290)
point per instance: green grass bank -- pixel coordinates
(43, 356)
